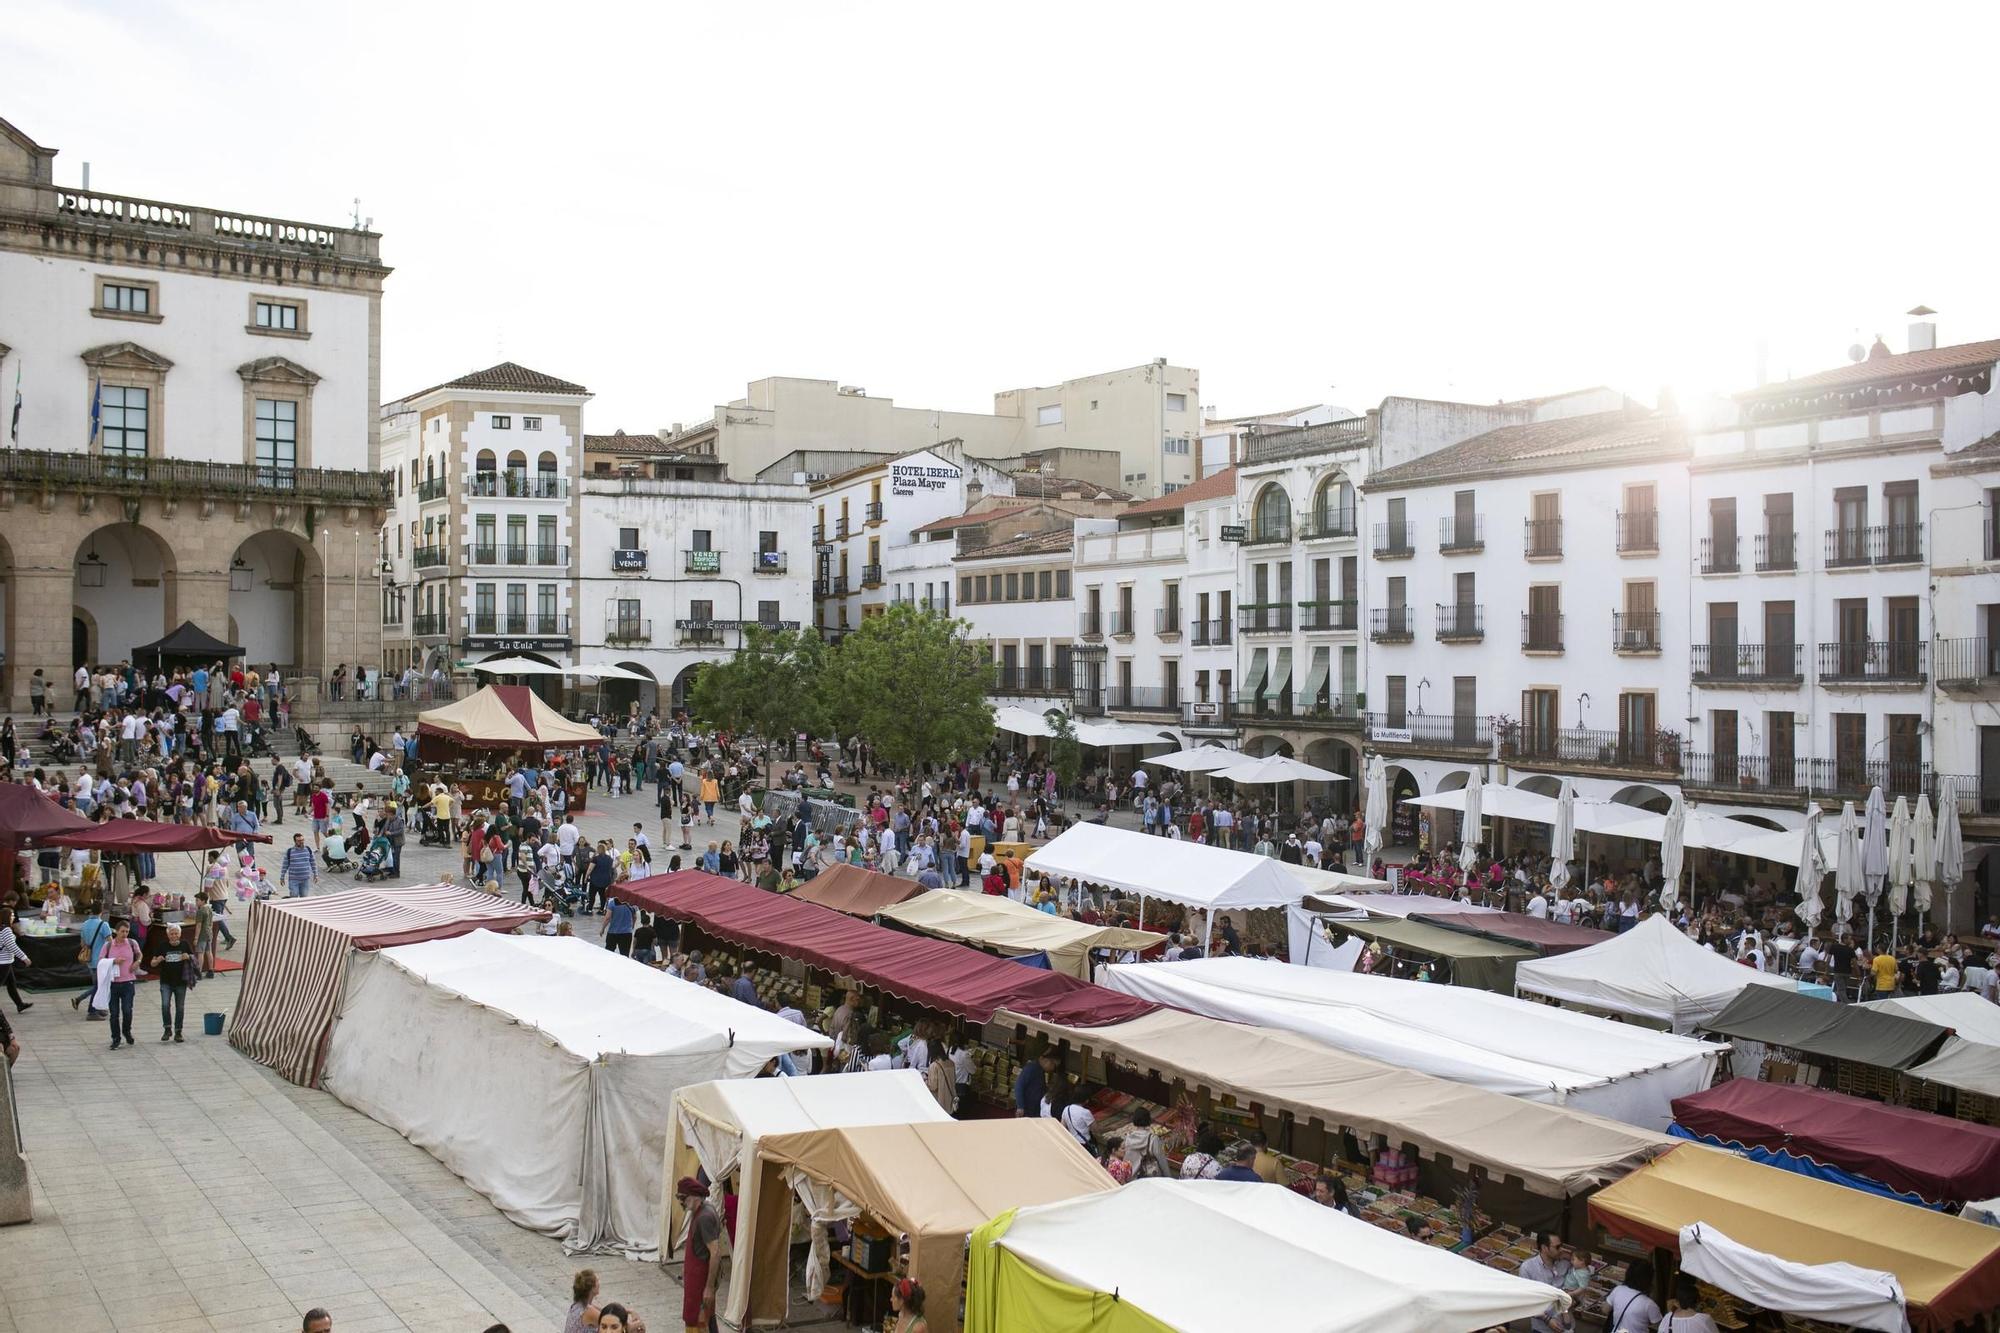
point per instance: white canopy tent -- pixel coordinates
(1192, 874)
(719, 1125)
(1021, 721)
(540, 1070)
(1970, 1058)
(1651, 971)
(1466, 1035)
(1403, 905)
(1302, 1267)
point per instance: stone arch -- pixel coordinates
(1343, 756)
(126, 579)
(1333, 503)
(1644, 796)
(683, 686)
(276, 599)
(1271, 513)
(1541, 784)
(1266, 745)
(620, 695)
(1762, 822)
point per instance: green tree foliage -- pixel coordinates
(771, 688)
(911, 683)
(1065, 752)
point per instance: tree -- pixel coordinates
(771, 688)
(1065, 752)
(912, 684)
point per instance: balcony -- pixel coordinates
(1854, 778)
(1461, 731)
(628, 631)
(1777, 552)
(431, 489)
(1604, 749)
(1208, 713)
(1460, 623)
(1271, 445)
(548, 556)
(41, 470)
(871, 576)
(1541, 632)
(1089, 625)
(1542, 538)
(1746, 773)
(431, 625)
(1725, 664)
(1719, 555)
(1337, 712)
(1122, 624)
(822, 587)
(839, 586)
(1210, 633)
(1395, 541)
(1264, 618)
(701, 562)
(941, 605)
(1141, 699)
(517, 486)
(1331, 616)
(1964, 666)
(819, 535)
(1167, 623)
(515, 631)
(1872, 662)
(769, 562)
(1392, 624)
(1462, 533)
(1635, 632)
(1269, 532)
(840, 529)
(429, 557)
(873, 513)
(1885, 544)
(1638, 532)
(1977, 794)
(1030, 680)
(1327, 525)
(698, 633)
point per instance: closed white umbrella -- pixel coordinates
(1812, 869)
(1874, 852)
(1950, 844)
(1899, 856)
(1672, 852)
(1923, 854)
(1377, 812)
(1468, 828)
(1562, 835)
(1276, 768)
(1847, 864)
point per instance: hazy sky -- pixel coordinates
(1308, 203)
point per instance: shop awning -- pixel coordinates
(1650, 971)
(855, 891)
(1838, 1031)
(1281, 675)
(1475, 960)
(933, 973)
(1949, 1268)
(1937, 1158)
(1013, 928)
(1553, 1151)
(1252, 685)
(1191, 873)
(1544, 937)
(1971, 1058)
(1316, 674)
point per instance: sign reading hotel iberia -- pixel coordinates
(909, 478)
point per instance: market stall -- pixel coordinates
(468, 742)
(1651, 971)
(1785, 1232)
(718, 1126)
(927, 1185)
(297, 950)
(189, 645)
(1849, 1140)
(540, 1070)
(855, 890)
(1856, 1047)
(1195, 875)
(1472, 960)
(1467, 1036)
(1400, 905)
(1011, 929)
(1544, 937)
(1970, 1060)
(1119, 1263)
(27, 817)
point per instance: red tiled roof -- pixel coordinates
(507, 377)
(1050, 487)
(1936, 360)
(968, 519)
(1032, 543)
(1597, 437)
(618, 442)
(1212, 487)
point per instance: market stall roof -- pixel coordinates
(1971, 1065)
(1475, 960)
(934, 973)
(1013, 928)
(150, 835)
(503, 717)
(1545, 937)
(1935, 1157)
(1190, 873)
(27, 815)
(1313, 1269)
(1468, 1036)
(1316, 880)
(1949, 1268)
(295, 964)
(1552, 1150)
(1650, 971)
(190, 640)
(1970, 1059)
(1840, 1031)
(855, 890)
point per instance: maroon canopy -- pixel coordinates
(1938, 1159)
(934, 973)
(26, 815)
(149, 835)
(855, 891)
(1548, 937)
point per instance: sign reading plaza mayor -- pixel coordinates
(909, 478)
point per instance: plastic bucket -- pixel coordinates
(212, 1024)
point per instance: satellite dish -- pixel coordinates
(1856, 352)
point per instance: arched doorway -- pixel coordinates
(684, 686)
(1263, 747)
(1402, 815)
(273, 595)
(1336, 755)
(123, 591)
(620, 695)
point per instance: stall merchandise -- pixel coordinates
(1948, 1268)
(540, 1070)
(855, 890)
(1468, 1036)
(1933, 1158)
(297, 950)
(1475, 960)
(1544, 937)
(1651, 971)
(458, 741)
(717, 1127)
(1197, 876)
(1848, 1032)
(1121, 1262)
(1013, 929)
(932, 1184)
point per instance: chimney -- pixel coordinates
(1923, 333)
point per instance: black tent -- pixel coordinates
(1819, 1027)
(189, 643)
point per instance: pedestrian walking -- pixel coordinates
(123, 952)
(299, 868)
(174, 966)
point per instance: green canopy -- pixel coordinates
(1475, 960)
(1819, 1027)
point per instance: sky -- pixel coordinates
(1308, 203)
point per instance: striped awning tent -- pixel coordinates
(295, 960)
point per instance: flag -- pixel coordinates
(96, 407)
(14, 427)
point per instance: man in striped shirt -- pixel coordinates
(299, 868)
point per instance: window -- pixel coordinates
(767, 613)
(1013, 587)
(482, 536)
(545, 539)
(965, 587)
(503, 423)
(698, 540)
(628, 616)
(1176, 402)
(279, 316)
(1049, 416)
(628, 539)
(531, 423)
(482, 608)
(703, 613)
(545, 607)
(517, 538)
(1398, 702)
(517, 608)
(122, 420)
(979, 588)
(1062, 583)
(767, 543)
(277, 435)
(1046, 582)
(127, 298)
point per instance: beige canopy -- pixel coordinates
(933, 1183)
(1007, 927)
(504, 717)
(1551, 1150)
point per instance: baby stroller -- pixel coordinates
(334, 852)
(555, 892)
(307, 745)
(431, 831)
(258, 745)
(376, 861)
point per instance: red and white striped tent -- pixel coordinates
(295, 963)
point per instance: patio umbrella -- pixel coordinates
(1201, 759)
(1950, 845)
(1377, 812)
(1847, 863)
(517, 666)
(1468, 827)
(1275, 768)
(1562, 835)
(1874, 852)
(604, 671)
(1672, 852)
(1923, 854)
(1899, 857)
(1812, 869)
